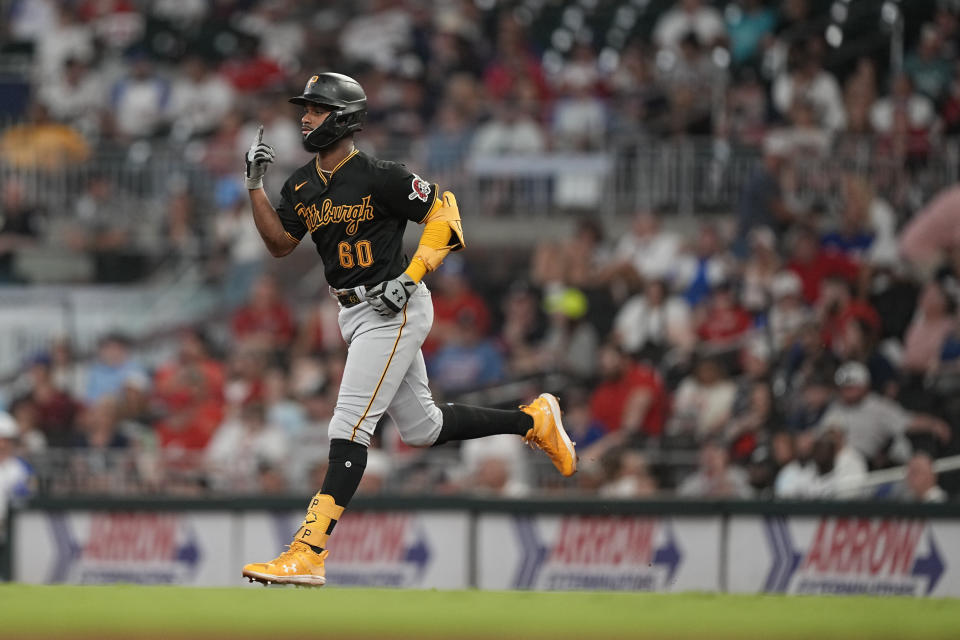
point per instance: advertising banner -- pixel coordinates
(843, 555)
(99, 547)
(375, 548)
(627, 553)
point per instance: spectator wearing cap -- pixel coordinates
(857, 340)
(875, 426)
(15, 473)
(114, 365)
(920, 484)
(715, 478)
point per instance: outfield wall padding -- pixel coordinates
(450, 543)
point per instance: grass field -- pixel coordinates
(65, 612)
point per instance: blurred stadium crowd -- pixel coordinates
(785, 350)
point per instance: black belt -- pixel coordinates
(349, 297)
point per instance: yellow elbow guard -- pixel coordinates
(442, 233)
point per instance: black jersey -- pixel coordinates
(356, 216)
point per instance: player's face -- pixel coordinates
(313, 116)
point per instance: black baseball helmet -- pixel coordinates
(344, 97)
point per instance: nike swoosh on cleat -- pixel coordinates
(297, 188)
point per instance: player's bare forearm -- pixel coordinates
(268, 224)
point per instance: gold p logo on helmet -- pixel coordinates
(313, 79)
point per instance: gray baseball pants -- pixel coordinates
(385, 373)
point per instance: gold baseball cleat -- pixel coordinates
(548, 433)
(298, 565)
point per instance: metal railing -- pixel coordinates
(139, 471)
(687, 175)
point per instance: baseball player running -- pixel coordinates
(355, 208)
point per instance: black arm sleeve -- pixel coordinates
(292, 223)
(404, 194)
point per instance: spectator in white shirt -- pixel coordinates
(199, 101)
(240, 445)
(807, 80)
(834, 470)
(579, 117)
(14, 472)
(647, 249)
(873, 425)
(75, 97)
(654, 322)
(688, 16)
(920, 112)
(920, 485)
(140, 101)
(509, 132)
(69, 38)
(715, 478)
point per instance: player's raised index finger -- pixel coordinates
(260, 134)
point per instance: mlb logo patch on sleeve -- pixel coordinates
(421, 189)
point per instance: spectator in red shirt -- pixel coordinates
(453, 299)
(723, 321)
(266, 320)
(838, 306)
(514, 63)
(813, 264)
(189, 391)
(630, 401)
